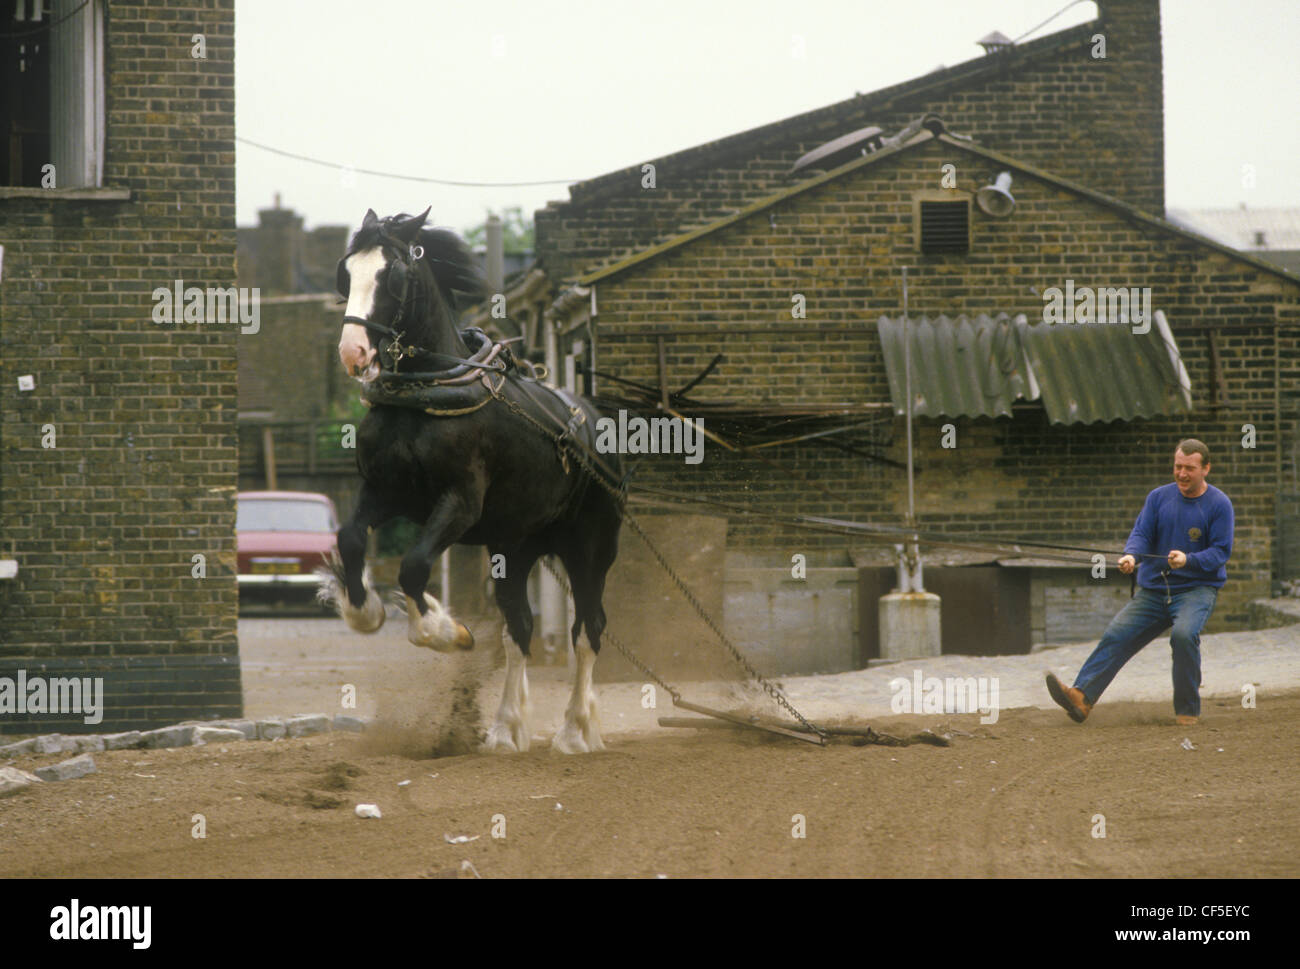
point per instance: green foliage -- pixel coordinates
(396, 537)
(329, 436)
(516, 231)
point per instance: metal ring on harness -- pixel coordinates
(576, 419)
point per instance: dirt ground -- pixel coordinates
(1018, 798)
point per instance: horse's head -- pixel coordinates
(400, 281)
(380, 277)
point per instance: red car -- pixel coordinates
(282, 537)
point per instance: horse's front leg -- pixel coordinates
(430, 624)
(347, 583)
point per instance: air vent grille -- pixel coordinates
(945, 227)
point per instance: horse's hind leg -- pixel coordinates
(429, 624)
(587, 568)
(347, 584)
(510, 730)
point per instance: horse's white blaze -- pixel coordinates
(435, 629)
(355, 349)
(510, 730)
(581, 731)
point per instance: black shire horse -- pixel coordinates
(442, 447)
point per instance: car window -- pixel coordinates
(282, 516)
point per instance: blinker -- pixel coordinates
(396, 279)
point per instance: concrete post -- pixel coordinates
(909, 625)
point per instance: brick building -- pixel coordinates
(1098, 122)
(118, 466)
(649, 284)
(282, 258)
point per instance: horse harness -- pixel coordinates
(458, 390)
(467, 385)
(473, 383)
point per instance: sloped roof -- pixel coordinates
(1124, 209)
(1082, 373)
(1272, 234)
(1239, 227)
(940, 79)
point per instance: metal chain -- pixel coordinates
(618, 643)
(770, 688)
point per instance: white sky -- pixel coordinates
(496, 91)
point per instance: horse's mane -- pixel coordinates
(453, 265)
(445, 253)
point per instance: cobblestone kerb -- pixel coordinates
(189, 734)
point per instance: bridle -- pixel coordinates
(407, 256)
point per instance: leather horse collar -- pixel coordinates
(460, 389)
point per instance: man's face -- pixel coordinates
(1190, 474)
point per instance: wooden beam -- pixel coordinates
(268, 457)
(810, 738)
(702, 723)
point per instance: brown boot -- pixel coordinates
(1070, 699)
(1183, 720)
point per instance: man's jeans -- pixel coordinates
(1144, 618)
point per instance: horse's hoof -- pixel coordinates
(506, 738)
(369, 617)
(436, 629)
(464, 638)
(569, 740)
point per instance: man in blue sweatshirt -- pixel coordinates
(1183, 538)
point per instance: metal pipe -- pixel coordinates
(907, 394)
(911, 556)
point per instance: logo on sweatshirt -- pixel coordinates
(1194, 534)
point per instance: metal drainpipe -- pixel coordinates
(910, 558)
(591, 334)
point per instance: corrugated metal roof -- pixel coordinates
(1081, 372)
